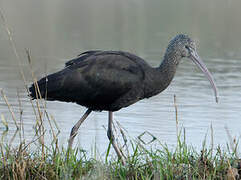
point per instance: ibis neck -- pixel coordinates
(162, 76)
(167, 68)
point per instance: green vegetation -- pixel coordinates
(181, 163)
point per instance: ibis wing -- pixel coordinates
(106, 77)
(95, 82)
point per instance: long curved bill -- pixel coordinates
(198, 61)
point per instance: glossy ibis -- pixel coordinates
(111, 80)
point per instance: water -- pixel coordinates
(56, 31)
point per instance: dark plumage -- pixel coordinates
(111, 80)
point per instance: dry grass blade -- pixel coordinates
(20, 117)
(232, 142)
(3, 135)
(212, 141)
(10, 109)
(118, 142)
(37, 115)
(175, 105)
(40, 103)
(51, 127)
(5, 123)
(3, 155)
(40, 116)
(122, 134)
(12, 139)
(55, 123)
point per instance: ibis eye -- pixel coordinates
(187, 47)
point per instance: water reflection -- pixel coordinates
(58, 30)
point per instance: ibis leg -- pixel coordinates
(74, 130)
(112, 138)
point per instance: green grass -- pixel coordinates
(183, 162)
